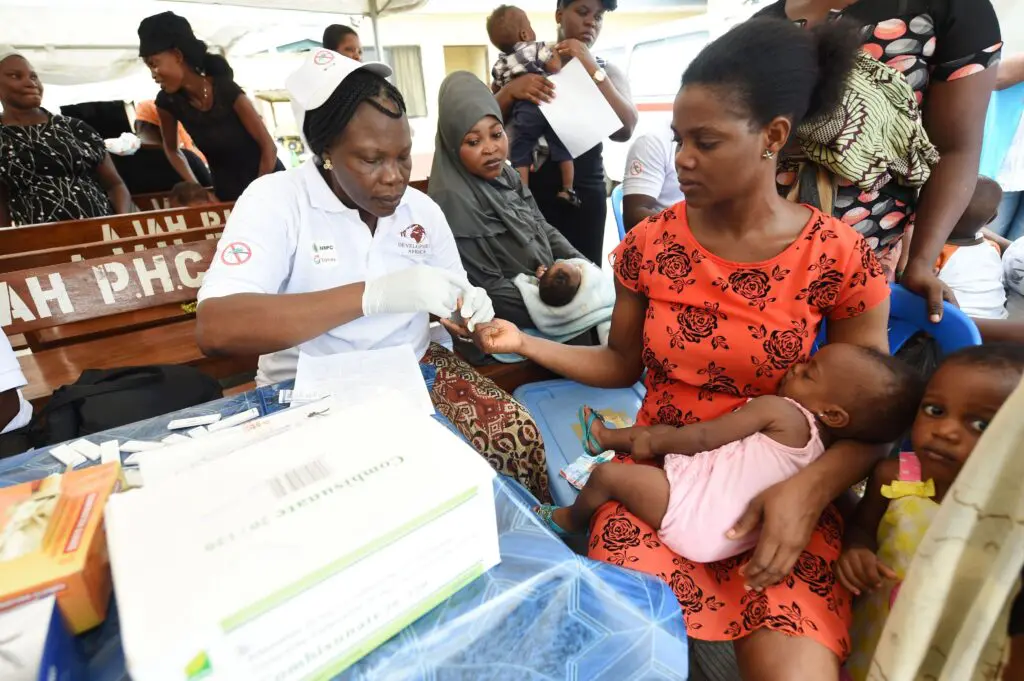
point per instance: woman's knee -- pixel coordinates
(768, 655)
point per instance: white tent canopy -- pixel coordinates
(91, 41)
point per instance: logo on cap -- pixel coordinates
(323, 57)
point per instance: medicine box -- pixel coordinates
(52, 543)
(294, 556)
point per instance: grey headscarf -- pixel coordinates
(465, 198)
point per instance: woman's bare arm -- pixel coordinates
(169, 134)
(237, 324)
(253, 125)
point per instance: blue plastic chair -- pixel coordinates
(617, 211)
(908, 315)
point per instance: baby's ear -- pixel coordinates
(834, 416)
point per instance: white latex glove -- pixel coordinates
(420, 288)
(477, 307)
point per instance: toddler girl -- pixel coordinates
(712, 470)
(903, 495)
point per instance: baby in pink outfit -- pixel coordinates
(712, 470)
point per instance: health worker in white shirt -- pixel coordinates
(341, 255)
(650, 182)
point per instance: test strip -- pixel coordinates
(133, 446)
(175, 438)
(67, 456)
(235, 420)
(87, 449)
(110, 452)
(198, 431)
(182, 424)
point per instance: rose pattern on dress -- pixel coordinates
(823, 292)
(695, 341)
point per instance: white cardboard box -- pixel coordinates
(293, 557)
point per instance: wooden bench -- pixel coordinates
(111, 228)
(156, 200)
(91, 290)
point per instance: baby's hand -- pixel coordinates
(860, 570)
(541, 271)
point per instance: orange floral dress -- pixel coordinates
(716, 334)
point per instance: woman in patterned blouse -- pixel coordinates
(52, 168)
(717, 297)
(946, 50)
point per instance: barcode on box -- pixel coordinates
(298, 478)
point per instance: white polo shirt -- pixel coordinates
(289, 233)
(651, 168)
(11, 377)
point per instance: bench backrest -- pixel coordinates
(110, 228)
(99, 249)
(45, 297)
(154, 200)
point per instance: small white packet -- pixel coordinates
(133, 446)
(87, 449)
(183, 424)
(198, 431)
(175, 438)
(110, 452)
(67, 456)
(235, 420)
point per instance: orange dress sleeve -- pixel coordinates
(864, 283)
(628, 257)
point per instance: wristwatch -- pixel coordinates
(600, 75)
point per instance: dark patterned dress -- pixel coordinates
(937, 40)
(49, 171)
(716, 334)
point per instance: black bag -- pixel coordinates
(107, 398)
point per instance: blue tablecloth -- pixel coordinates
(542, 613)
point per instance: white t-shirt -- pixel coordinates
(11, 377)
(651, 168)
(975, 273)
(289, 233)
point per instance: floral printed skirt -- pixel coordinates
(716, 607)
(494, 423)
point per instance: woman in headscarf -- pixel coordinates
(579, 27)
(52, 167)
(499, 230)
(197, 89)
(146, 113)
(341, 255)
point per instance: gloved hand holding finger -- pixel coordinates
(420, 288)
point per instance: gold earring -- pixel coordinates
(327, 163)
(768, 154)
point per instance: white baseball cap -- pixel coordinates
(321, 73)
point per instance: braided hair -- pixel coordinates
(328, 121)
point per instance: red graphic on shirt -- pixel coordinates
(236, 253)
(636, 168)
(323, 57)
(415, 232)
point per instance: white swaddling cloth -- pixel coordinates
(592, 305)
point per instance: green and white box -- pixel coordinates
(295, 556)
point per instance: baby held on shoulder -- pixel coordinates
(713, 469)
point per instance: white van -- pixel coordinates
(654, 61)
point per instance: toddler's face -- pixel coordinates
(958, 405)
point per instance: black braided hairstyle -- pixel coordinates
(327, 122)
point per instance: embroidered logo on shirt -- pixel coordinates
(636, 168)
(414, 240)
(236, 253)
(324, 254)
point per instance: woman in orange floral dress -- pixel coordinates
(716, 298)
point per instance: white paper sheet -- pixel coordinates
(356, 377)
(579, 114)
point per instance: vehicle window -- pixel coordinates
(656, 67)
